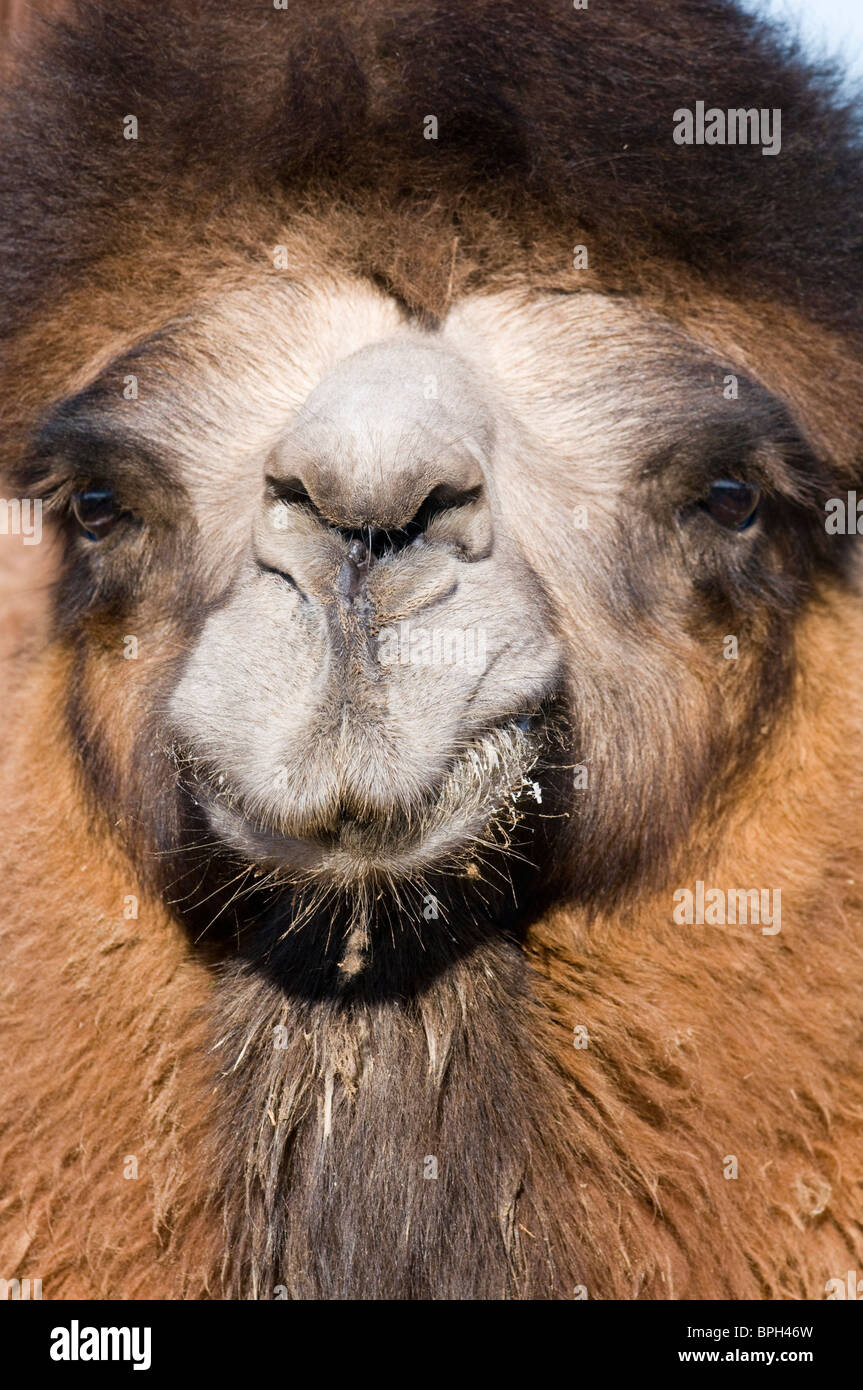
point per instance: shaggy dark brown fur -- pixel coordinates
(328, 1093)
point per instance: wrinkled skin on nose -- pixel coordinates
(384, 462)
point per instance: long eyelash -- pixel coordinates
(52, 485)
(57, 491)
(56, 495)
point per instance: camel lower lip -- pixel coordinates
(488, 783)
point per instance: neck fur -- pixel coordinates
(380, 1140)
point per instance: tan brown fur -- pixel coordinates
(706, 1045)
(102, 1072)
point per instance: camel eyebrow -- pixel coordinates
(759, 438)
(106, 419)
(78, 442)
(84, 440)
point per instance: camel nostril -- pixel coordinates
(441, 499)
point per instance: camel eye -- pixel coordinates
(732, 504)
(96, 512)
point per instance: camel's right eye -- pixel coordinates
(732, 503)
(96, 512)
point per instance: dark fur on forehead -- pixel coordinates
(568, 126)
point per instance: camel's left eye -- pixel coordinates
(732, 503)
(96, 512)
